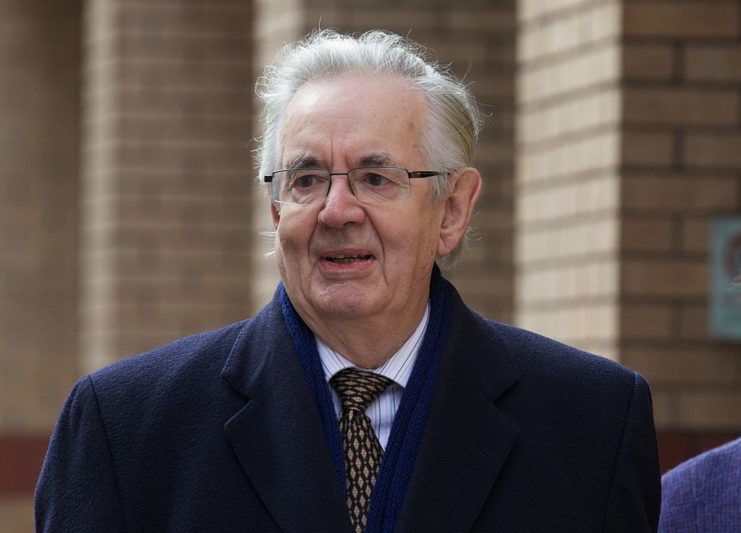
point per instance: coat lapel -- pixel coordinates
(278, 440)
(277, 435)
(466, 439)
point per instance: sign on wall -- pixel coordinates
(725, 264)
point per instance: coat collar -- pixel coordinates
(278, 439)
(277, 435)
(466, 439)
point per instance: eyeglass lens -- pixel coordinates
(369, 185)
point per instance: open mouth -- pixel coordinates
(347, 259)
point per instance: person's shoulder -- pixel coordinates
(178, 353)
(721, 462)
(198, 357)
(545, 369)
(523, 344)
(535, 353)
(702, 493)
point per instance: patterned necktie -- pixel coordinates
(357, 390)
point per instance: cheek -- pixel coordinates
(427, 232)
(292, 239)
(286, 247)
(412, 247)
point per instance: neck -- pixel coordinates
(367, 342)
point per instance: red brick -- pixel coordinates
(695, 234)
(20, 462)
(647, 234)
(681, 365)
(681, 106)
(694, 322)
(648, 61)
(647, 148)
(689, 19)
(646, 321)
(677, 446)
(668, 277)
(717, 408)
(713, 63)
(712, 150)
(191, 17)
(680, 193)
(493, 19)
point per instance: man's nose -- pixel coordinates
(341, 207)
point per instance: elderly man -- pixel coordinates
(366, 396)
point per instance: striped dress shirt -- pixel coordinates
(398, 369)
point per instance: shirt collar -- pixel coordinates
(398, 368)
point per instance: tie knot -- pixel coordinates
(358, 388)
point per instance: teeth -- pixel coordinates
(347, 258)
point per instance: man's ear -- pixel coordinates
(464, 192)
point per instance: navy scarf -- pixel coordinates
(401, 450)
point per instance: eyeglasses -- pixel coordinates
(370, 185)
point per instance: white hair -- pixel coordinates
(453, 121)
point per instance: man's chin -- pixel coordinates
(344, 303)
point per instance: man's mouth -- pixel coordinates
(347, 259)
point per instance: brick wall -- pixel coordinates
(568, 145)
(629, 134)
(166, 172)
(39, 60)
(478, 41)
(681, 166)
(39, 82)
(276, 22)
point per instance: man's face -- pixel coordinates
(343, 259)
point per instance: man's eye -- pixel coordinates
(374, 179)
(305, 181)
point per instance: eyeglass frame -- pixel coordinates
(411, 174)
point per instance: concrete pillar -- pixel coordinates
(39, 83)
(568, 172)
(167, 172)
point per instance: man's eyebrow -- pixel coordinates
(381, 159)
(303, 161)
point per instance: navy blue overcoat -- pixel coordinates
(220, 432)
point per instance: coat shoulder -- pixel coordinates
(195, 356)
(538, 357)
(583, 423)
